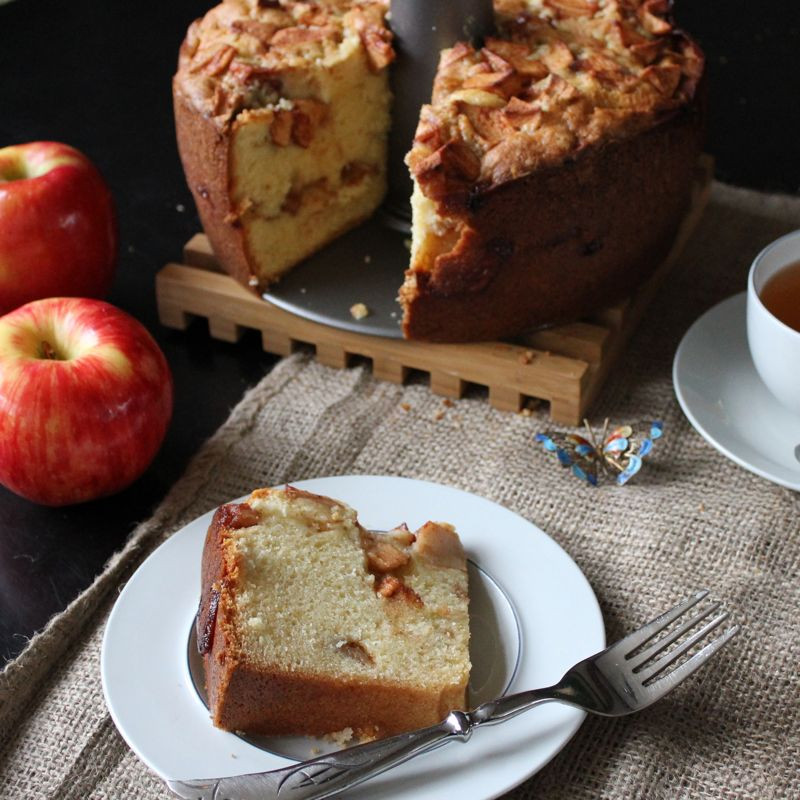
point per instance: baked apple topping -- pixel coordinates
(240, 54)
(392, 587)
(439, 543)
(206, 621)
(236, 515)
(539, 91)
(355, 650)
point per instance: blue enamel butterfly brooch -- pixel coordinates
(616, 455)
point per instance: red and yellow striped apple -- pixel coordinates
(58, 231)
(85, 400)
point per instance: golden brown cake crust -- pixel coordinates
(214, 629)
(233, 58)
(561, 76)
(244, 696)
(603, 222)
(371, 710)
(204, 152)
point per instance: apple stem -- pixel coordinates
(46, 351)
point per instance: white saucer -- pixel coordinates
(536, 615)
(725, 400)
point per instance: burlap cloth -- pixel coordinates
(691, 519)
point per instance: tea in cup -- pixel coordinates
(773, 318)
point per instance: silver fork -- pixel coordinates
(626, 677)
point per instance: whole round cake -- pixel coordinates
(551, 168)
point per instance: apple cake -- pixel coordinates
(551, 168)
(281, 113)
(309, 624)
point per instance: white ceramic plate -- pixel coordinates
(725, 400)
(535, 615)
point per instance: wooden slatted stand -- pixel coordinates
(564, 365)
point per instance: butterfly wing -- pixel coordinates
(573, 452)
(626, 446)
(633, 466)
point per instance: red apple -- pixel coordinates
(85, 400)
(58, 232)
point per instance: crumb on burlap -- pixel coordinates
(529, 406)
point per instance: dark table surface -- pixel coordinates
(97, 76)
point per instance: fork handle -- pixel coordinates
(511, 705)
(325, 776)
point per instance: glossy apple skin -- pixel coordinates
(85, 400)
(58, 230)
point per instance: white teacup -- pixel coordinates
(774, 346)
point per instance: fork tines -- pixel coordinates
(646, 646)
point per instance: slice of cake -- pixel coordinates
(309, 624)
(551, 168)
(281, 111)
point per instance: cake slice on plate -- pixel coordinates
(309, 624)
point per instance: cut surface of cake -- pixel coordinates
(282, 111)
(309, 624)
(551, 169)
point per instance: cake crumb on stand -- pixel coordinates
(359, 311)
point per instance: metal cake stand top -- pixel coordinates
(367, 264)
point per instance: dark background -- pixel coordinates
(96, 75)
